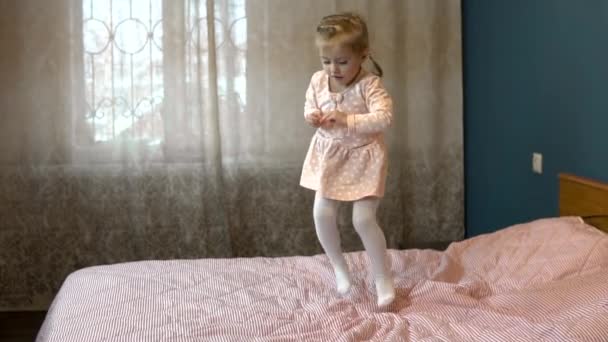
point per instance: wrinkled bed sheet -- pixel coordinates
(545, 280)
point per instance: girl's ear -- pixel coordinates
(365, 54)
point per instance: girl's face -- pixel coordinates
(341, 63)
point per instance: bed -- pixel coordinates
(541, 280)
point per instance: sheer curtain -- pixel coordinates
(157, 129)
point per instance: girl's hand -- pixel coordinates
(314, 119)
(333, 119)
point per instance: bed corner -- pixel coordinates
(584, 197)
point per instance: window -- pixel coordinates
(131, 66)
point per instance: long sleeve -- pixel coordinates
(380, 106)
(310, 104)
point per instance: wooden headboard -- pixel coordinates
(584, 197)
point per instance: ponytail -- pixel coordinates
(379, 72)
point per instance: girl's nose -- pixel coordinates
(334, 69)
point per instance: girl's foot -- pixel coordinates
(342, 281)
(385, 290)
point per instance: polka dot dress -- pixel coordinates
(348, 163)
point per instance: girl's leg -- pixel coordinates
(364, 220)
(325, 217)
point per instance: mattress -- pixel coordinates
(543, 280)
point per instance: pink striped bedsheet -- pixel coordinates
(545, 280)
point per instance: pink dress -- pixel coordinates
(348, 163)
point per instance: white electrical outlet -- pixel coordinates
(537, 163)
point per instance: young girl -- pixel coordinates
(347, 158)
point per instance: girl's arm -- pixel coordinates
(380, 107)
(310, 104)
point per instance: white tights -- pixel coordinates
(364, 220)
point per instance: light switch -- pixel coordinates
(537, 163)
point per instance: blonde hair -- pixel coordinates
(346, 28)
